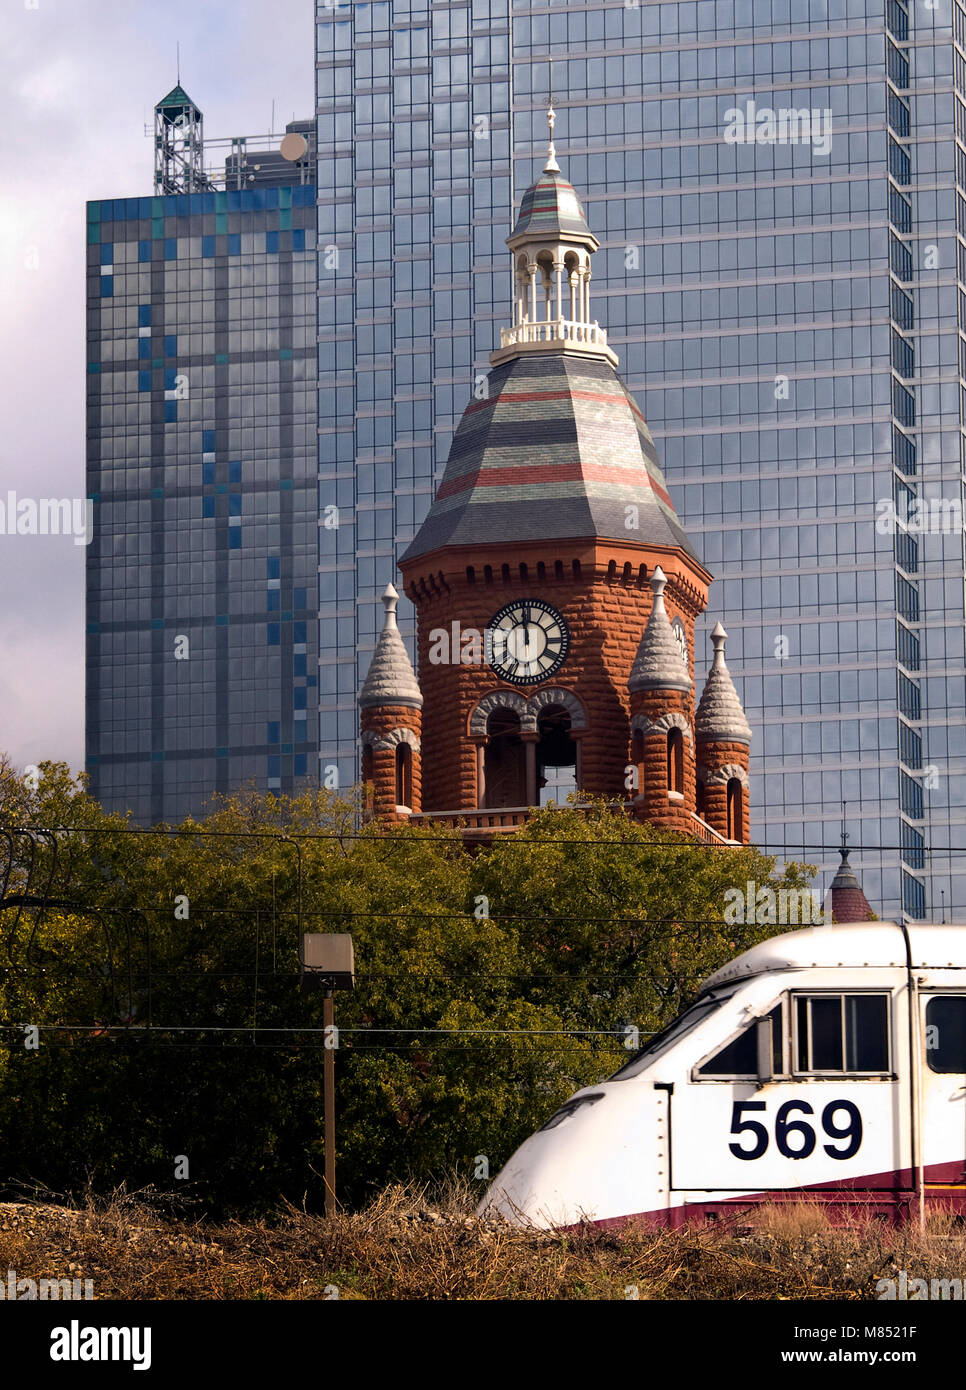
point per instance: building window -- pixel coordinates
(505, 768)
(556, 757)
(637, 759)
(675, 761)
(735, 809)
(404, 775)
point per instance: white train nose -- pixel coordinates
(594, 1159)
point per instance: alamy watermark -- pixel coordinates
(467, 646)
(31, 1290)
(762, 125)
(903, 1288)
(932, 516)
(760, 904)
(47, 516)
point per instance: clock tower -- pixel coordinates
(556, 593)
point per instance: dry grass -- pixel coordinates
(413, 1244)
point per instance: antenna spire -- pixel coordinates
(178, 61)
(551, 166)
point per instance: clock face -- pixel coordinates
(527, 641)
(681, 637)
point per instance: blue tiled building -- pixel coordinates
(202, 657)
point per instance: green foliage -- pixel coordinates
(489, 987)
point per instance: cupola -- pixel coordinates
(551, 246)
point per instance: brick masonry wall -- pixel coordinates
(606, 607)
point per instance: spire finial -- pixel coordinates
(390, 598)
(551, 166)
(658, 585)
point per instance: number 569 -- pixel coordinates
(851, 1132)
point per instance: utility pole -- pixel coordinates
(328, 1099)
(327, 963)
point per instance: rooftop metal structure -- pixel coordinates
(185, 162)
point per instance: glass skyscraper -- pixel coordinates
(201, 576)
(780, 193)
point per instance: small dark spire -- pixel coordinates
(845, 898)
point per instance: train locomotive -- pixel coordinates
(826, 1064)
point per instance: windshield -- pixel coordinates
(697, 1013)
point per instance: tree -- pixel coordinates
(490, 986)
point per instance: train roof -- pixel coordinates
(857, 944)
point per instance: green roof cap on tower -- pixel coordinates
(177, 97)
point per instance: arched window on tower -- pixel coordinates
(367, 775)
(505, 766)
(404, 775)
(675, 761)
(556, 757)
(700, 796)
(735, 808)
(637, 762)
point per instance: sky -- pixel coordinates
(81, 78)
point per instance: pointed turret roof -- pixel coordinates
(177, 98)
(391, 679)
(659, 664)
(720, 715)
(845, 897)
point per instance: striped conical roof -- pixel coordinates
(558, 449)
(551, 206)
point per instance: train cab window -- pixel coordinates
(673, 1033)
(946, 1033)
(740, 1056)
(842, 1033)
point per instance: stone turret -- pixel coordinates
(391, 721)
(723, 742)
(662, 739)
